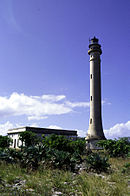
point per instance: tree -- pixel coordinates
(29, 138)
(5, 141)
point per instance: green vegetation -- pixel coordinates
(29, 138)
(62, 143)
(56, 164)
(96, 162)
(5, 141)
(17, 181)
(116, 148)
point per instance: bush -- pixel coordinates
(116, 148)
(32, 156)
(77, 146)
(29, 138)
(5, 141)
(126, 168)
(62, 159)
(55, 151)
(56, 142)
(10, 155)
(97, 163)
(62, 143)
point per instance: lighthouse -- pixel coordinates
(95, 131)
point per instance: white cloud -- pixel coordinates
(4, 127)
(36, 107)
(37, 117)
(53, 98)
(33, 125)
(105, 102)
(81, 133)
(54, 127)
(8, 125)
(77, 104)
(118, 130)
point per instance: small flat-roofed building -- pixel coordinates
(14, 133)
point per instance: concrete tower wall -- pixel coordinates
(95, 123)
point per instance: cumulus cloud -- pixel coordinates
(4, 127)
(77, 104)
(37, 107)
(54, 127)
(118, 130)
(81, 133)
(8, 125)
(53, 98)
(105, 102)
(37, 117)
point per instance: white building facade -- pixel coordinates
(14, 133)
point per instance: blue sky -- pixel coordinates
(44, 65)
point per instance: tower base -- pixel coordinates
(92, 145)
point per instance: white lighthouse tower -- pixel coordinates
(95, 131)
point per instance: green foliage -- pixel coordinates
(116, 148)
(16, 181)
(29, 138)
(56, 142)
(55, 151)
(4, 156)
(10, 155)
(126, 168)
(62, 143)
(62, 159)
(63, 153)
(96, 162)
(32, 156)
(77, 146)
(5, 141)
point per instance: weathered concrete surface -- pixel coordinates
(95, 131)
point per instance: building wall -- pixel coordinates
(14, 135)
(16, 142)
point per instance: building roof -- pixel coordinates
(42, 131)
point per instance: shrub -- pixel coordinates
(116, 148)
(126, 168)
(29, 138)
(62, 143)
(32, 156)
(5, 141)
(97, 163)
(9, 155)
(77, 146)
(62, 159)
(56, 142)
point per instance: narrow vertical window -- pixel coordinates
(18, 142)
(91, 98)
(90, 120)
(14, 143)
(91, 76)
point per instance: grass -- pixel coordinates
(45, 182)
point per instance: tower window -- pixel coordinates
(91, 98)
(90, 120)
(91, 76)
